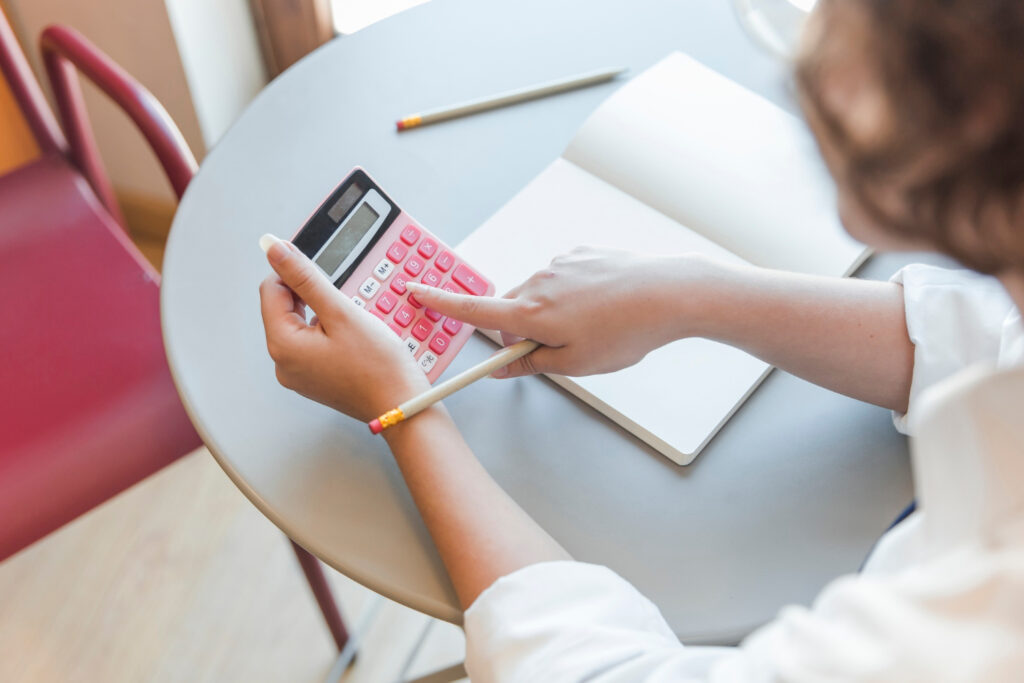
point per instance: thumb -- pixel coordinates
(300, 274)
(488, 312)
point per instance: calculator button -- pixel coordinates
(444, 261)
(404, 315)
(421, 330)
(411, 345)
(416, 303)
(410, 234)
(427, 361)
(452, 326)
(413, 266)
(449, 287)
(358, 302)
(431, 278)
(382, 270)
(397, 252)
(432, 314)
(427, 248)
(473, 283)
(398, 284)
(439, 344)
(369, 288)
(386, 302)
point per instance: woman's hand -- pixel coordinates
(594, 310)
(346, 358)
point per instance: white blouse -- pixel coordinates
(940, 599)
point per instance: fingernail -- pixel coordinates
(268, 241)
(416, 287)
(276, 248)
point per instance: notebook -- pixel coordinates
(678, 159)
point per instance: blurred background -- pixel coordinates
(204, 60)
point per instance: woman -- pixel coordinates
(918, 108)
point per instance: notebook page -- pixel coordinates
(712, 155)
(677, 397)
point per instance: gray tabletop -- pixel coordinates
(792, 492)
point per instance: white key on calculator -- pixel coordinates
(383, 269)
(427, 361)
(369, 288)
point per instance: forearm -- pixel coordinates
(847, 335)
(480, 532)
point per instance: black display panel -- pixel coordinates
(347, 200)
(342, 244)
(321, 226)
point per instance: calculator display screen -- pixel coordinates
(347, 238)
(345, 202)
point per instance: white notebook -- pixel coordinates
(678, 159)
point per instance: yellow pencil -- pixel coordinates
(449, 387)
(506, 98)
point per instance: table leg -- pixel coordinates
(322, 592)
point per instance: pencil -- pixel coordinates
(506, 98)
(449, 387)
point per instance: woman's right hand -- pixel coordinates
(594, 310)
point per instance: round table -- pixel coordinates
(792, 492)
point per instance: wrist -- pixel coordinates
(697, 295)
(398, 388)
(421, 427)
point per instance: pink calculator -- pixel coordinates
(370, 248)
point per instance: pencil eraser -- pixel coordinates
(400, 125)
(375, 427)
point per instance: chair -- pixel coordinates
(89, 407)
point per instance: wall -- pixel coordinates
(16, 143)
(138, 35)
(221, 55)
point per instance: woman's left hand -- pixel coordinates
(346, 358)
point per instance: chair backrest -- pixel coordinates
(65, 54)
(27, 94)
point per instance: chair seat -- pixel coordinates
(88, 404)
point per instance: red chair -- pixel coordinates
(88, 405)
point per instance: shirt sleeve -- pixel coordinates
(572, 622)
(954, 319)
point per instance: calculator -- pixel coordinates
(370, 248)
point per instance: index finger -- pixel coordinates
(488, 312)
(278, 307)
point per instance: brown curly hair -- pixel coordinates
(918, 106)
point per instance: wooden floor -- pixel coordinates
(181, 579)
